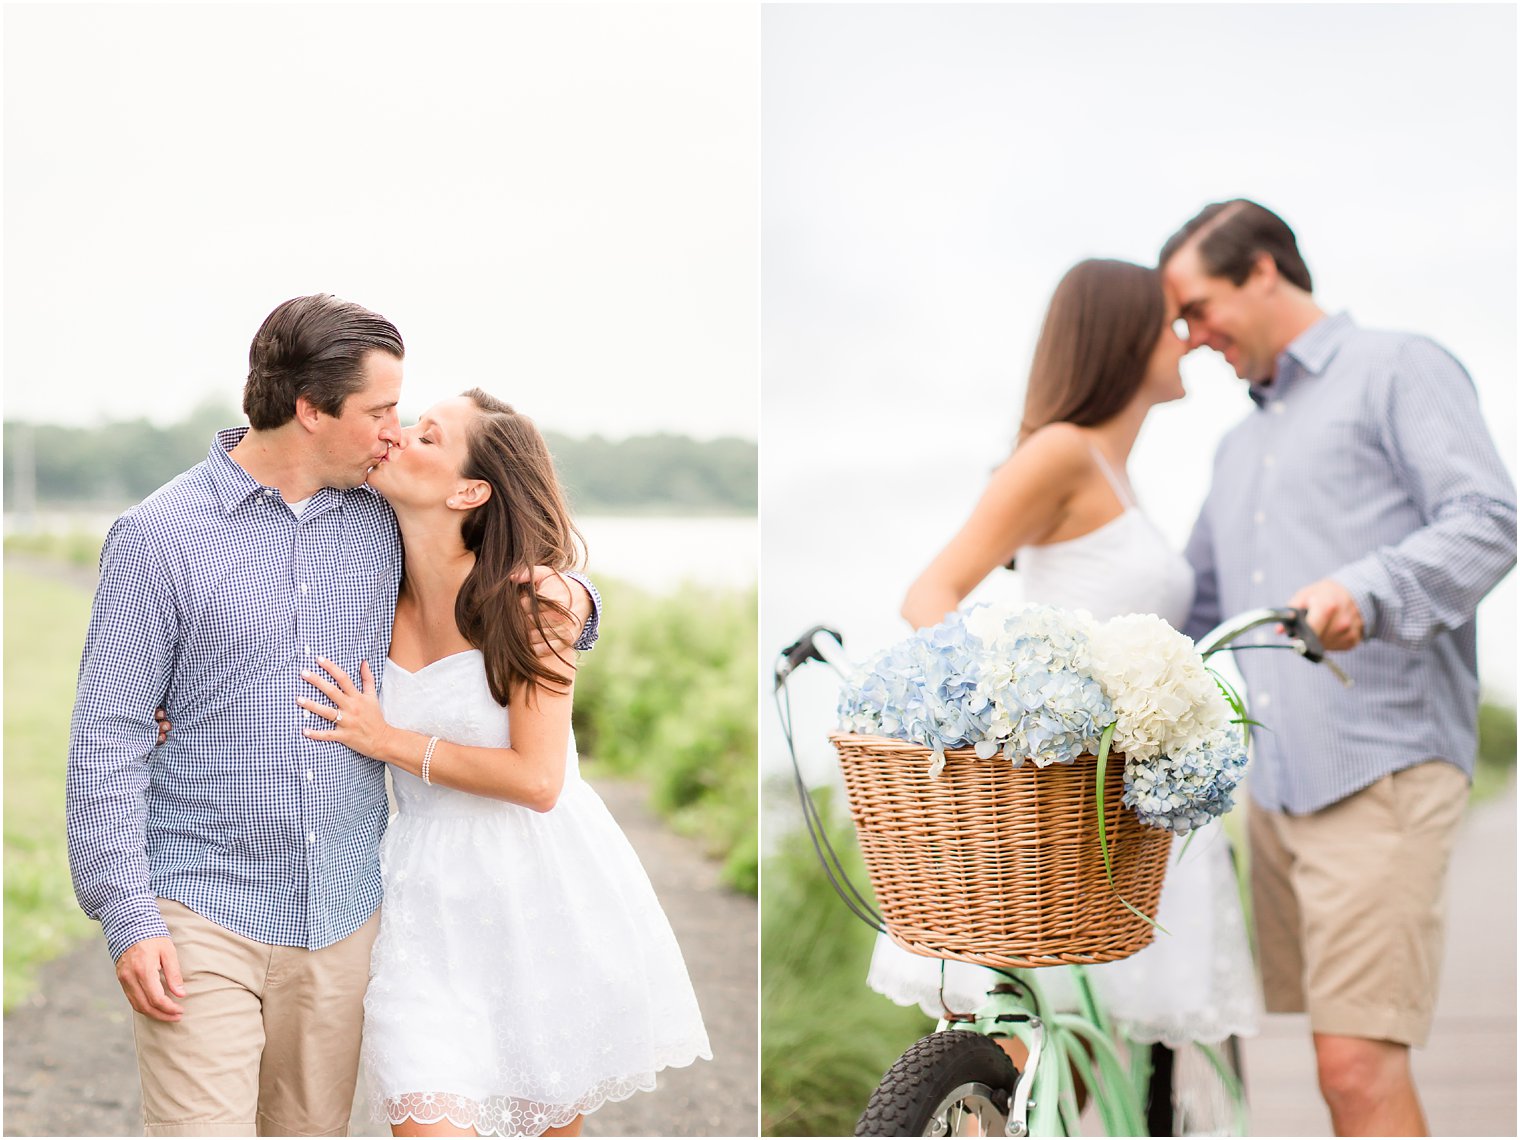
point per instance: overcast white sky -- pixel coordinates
(556, 203)
(930, 172)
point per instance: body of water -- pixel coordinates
(662, 553)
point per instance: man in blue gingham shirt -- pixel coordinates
(1365, 489)
(214, 594)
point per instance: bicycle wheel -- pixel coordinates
(1197, 1091)
(952, 1083)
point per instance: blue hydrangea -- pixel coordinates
(924, 689)
(1190, 788)
(1001, 681)
(1047, 706)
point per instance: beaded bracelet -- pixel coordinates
(427, 758)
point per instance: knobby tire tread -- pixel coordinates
(921, 1077)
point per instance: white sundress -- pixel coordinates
(1198, 982)
(524, 971)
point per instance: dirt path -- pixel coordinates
(70, 1068)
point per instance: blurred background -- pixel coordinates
(557, 204)
(928, 175)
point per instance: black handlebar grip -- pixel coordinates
(802, 650)
(1298, 626)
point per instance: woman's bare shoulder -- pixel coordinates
(1055, 451)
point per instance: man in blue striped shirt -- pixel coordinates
(1364, 488)
(235, 868)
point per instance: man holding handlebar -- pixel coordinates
(1364, 488)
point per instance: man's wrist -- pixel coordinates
(1362, 580)
(129, 922)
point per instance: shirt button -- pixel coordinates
(1263, 699)
(1261, 517)
(310, 775)
(1268, 460)
(303, 587)
(1278, 408)
(1257, 577)
(308, 651)
(311, 837)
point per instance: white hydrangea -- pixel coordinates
(1165, 702)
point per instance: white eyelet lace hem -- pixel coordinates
(516, 1116)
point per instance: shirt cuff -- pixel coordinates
(591, 630)
(1366, 580)
(130, 921)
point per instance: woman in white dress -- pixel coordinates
(1063, 507)
(524, 973)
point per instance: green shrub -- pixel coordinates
(1496, 750)
(668, 696)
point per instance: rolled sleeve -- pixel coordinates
(123, 676)
(1434, 433)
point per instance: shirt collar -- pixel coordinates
(1311, 351)
(234, 486)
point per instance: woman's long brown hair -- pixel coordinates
(1104, 319)
(523, 524)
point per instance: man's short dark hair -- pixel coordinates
(313, 347)
(1231, 235)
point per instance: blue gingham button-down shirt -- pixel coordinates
(213, 597)
(1366, 461)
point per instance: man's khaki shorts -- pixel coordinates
(269, 1043)
(1350, 904)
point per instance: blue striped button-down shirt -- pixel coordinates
(1366, 461)
(213, 596)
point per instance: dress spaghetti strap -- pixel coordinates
(1121, 488)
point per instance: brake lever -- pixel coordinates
(1307, 644)
(801, 650)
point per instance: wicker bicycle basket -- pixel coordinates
(999, 865)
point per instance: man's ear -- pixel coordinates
(470, 495)
(308, 415)
(1264, 272)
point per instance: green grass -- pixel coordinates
(44, 631)
(669, 697)
(75, 548)
(825, 1039)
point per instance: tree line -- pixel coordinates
(53, 466)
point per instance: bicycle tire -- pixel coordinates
(919, 1086)
(1188, 1097)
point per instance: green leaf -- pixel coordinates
(1185, 844)
(1108, 863)
(1237, 705)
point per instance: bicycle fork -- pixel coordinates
(1035, 1100)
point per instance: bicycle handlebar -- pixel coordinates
(818, 644)
(821, 643)
(1292, 621)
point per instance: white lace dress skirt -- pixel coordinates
(524, 972)
(1195, 983)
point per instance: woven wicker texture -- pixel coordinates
(999, 865)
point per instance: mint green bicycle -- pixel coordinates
(959, 1081)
